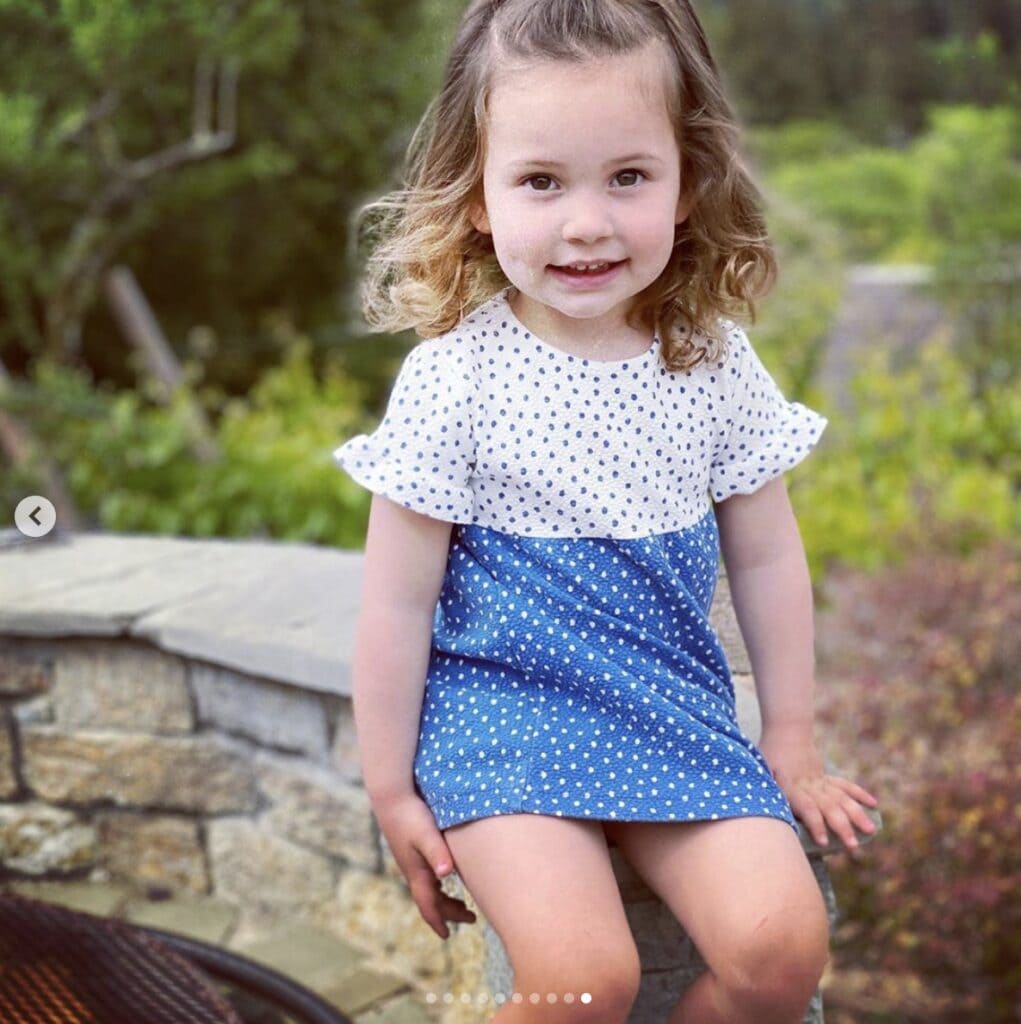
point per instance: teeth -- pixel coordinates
(588, 266)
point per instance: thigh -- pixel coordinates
(546, 886)
(741, 887)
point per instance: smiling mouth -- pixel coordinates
(591, 267)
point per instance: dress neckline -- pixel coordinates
(508, 313)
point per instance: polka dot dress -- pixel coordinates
(573, 668)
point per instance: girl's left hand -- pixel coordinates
(818, 800)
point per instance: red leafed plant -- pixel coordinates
(919, 699)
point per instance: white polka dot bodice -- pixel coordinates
(489, 425)
(573, 668)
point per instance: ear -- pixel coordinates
(479, 218)
(685, 204)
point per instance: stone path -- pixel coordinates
(881, 306)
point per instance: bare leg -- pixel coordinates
(546, 886)
(743, 890)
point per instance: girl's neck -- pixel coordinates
(599, 339)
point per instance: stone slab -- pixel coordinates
(359, 988)
(268, 712)
(95, 583)
(249, 863)
(284, 611)
(101, 898)
(114, 684)
(201, 773)
(403, 1010)
(206, 920)
(308, 954)
(37, 839)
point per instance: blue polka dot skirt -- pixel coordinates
(580, 677)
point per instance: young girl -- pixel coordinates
(559, 469)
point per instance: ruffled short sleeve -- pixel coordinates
(422, 454)
(765, 434)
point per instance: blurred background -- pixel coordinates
(181, 350)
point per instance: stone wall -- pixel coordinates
(126, 757)
(121, 762)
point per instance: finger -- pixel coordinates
(437, 914)
(436, 906)
(809, 814)
(432, 857)
(862, 822)
(858, 792)
(439, 857)
(457, 910)
(433, 918)
(840, 824)
(851, 805)
(425, 888)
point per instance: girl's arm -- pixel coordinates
(771, 590)
(405, 559)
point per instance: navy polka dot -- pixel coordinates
(573, 668)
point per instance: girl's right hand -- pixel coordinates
(423, 857)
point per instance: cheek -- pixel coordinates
(655, 224)
(515, 231)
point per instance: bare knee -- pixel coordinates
(776, 971)
(595, 988)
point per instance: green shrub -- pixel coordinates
(918, 460)
(875, 195)
(951, 196)
(131, 466)
(799, 140)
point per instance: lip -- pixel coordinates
(589, 280)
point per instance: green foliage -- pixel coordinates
(919, 699)
(89, 89)
(131, 465)
(952, 196)
(875, 195)
(795, 318)
(919, 460)
(801, 139)
(871, 65)
(19, 124)
(971, 178)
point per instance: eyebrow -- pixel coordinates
(633, 157)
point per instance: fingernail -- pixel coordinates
(442, 868)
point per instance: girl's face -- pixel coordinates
(582, 165)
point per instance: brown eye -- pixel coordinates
(539, 177)
(631, 170)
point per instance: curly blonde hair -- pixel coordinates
(428, 266)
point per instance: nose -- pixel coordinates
(587, 220)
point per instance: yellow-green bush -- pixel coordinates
(918, 460)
